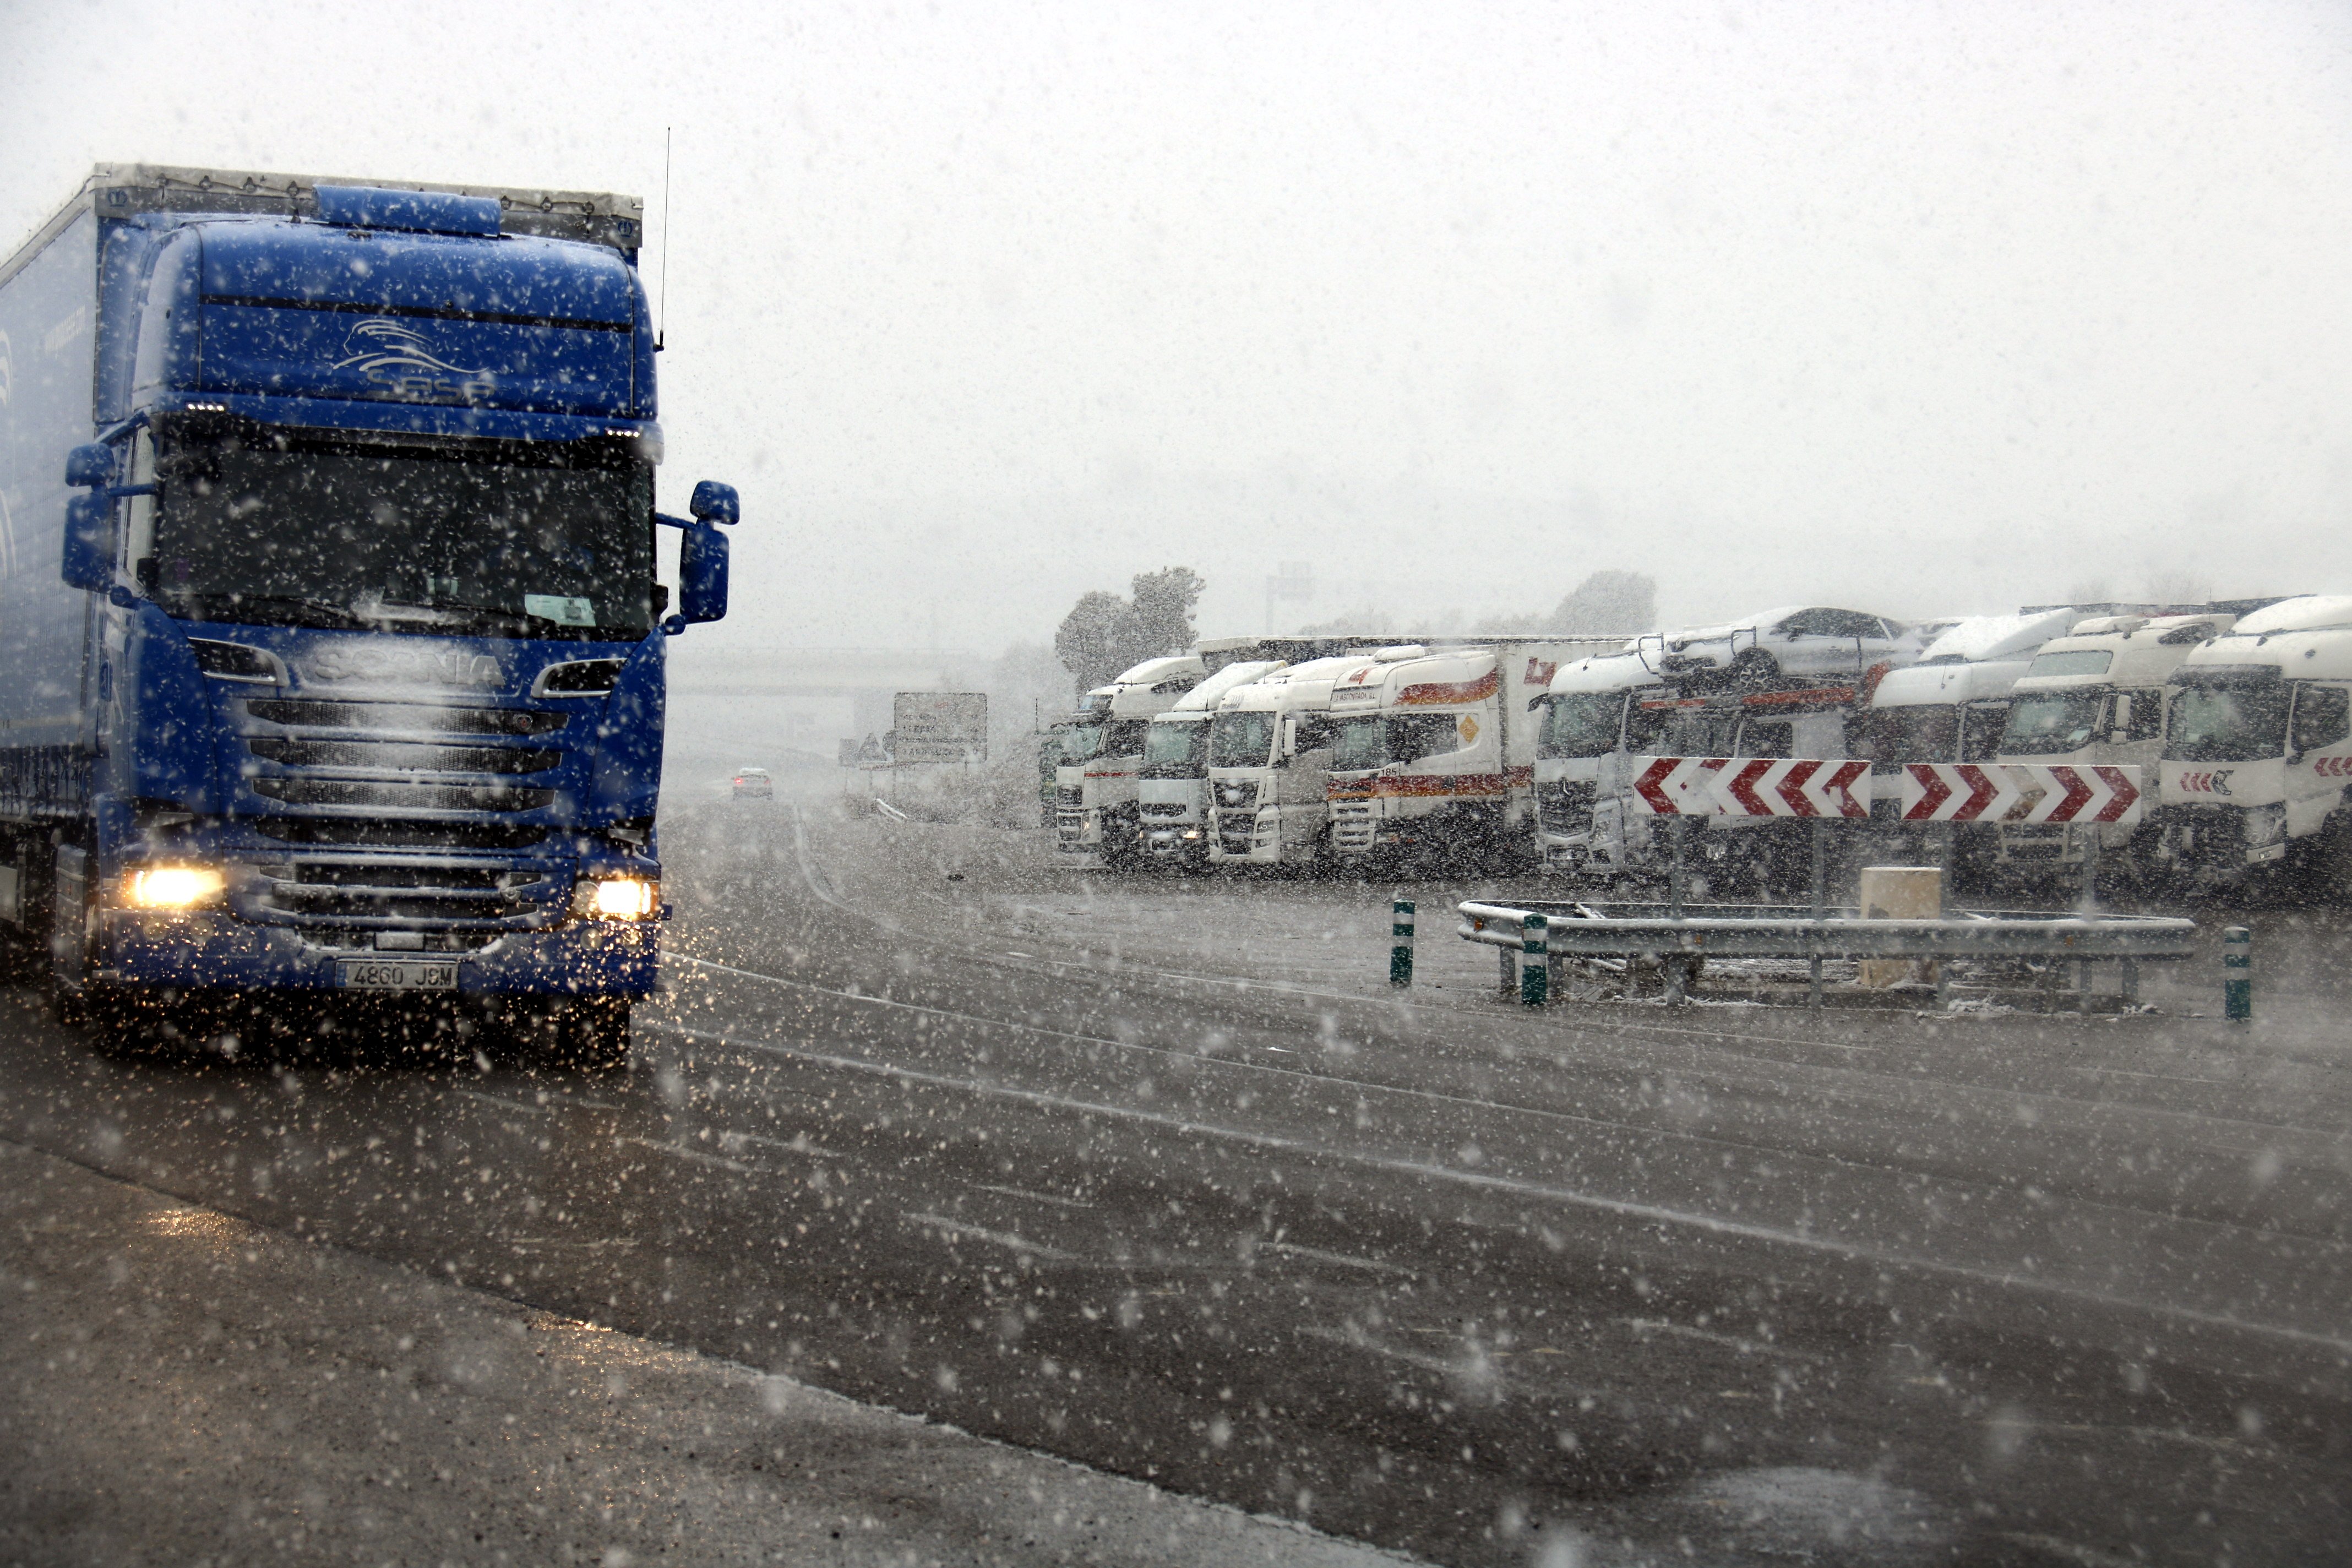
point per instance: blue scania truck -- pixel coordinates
(331, 636)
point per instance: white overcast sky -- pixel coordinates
(1918, 308)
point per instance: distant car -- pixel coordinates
(1792, 642)
(753, 781)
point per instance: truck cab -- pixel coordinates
(344, 672)
(1098, 808)
(2257, 748)
(1173, 786)
(2095, 698)
(1269, 749)
(1586, 710)
(1435, 751)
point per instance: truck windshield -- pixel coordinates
(1242, 739)
(500, 539)
(1082, 743)
(1929, 732)
(1374, 742)
(1582, 724)
(1176, 749)
(1657, 727)
(2047, 723)
(2219, 723)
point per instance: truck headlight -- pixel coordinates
(173, 886)
(616, 898)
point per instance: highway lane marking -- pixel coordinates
(1640, 1128)
(1003, 1238)
(1986, 1097)
(698, 1157)
(1623, 1208)
(1603, 1027)
(1344, 1261)
(1744, 1346)
(1025, 1193)
(1298, 1074)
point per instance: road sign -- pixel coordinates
(1751, 786)
(2021, 792)
(940, 727)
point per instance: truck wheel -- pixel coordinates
(592, 1035)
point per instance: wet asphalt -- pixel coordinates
(1606, 1284)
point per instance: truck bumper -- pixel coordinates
(214, 951)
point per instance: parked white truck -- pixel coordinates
(2258, 747)
(1433, 751)
(1587, 709)
(2096, 698)
(1096, 812)
(1173, 786)
(1949, 708)
(1269, 749)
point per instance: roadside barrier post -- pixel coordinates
(2237, 975)
(1401, 955)
(1535, 961)
(1674, 872)
(1821, 836)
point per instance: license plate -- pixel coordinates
(397, 974)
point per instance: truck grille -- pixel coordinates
(1165, 808)
(1241, 795)
(1070, 796)
(360, 892)
(1352, 825)
(392, 764)
(1566, 808)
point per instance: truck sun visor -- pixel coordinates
(416, 212)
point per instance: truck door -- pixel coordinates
(2319, 736)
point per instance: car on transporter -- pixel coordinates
(1791, 642)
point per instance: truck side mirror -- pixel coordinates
(701, 576)
(88, 543)
(715, 502)
(90, 464)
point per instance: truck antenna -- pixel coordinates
(663, 329)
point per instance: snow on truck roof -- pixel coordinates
(1926, 685)
(2321, 654)
(2120, 650)
(1296, 685)
(1973, 638)
(1202, 699)
(1603, 672)
(2304, 613)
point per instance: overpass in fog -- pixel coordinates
(737, 671)
(810, 697)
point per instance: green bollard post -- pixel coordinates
(2237, 975)
(1401, 955)
(1535, 961)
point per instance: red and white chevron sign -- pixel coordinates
(2019, 792)
(1750, 786)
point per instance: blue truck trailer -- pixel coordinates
(331, 637)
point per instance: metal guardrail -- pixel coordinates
(1553, 930)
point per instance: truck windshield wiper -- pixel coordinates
(323, 612)
(476, 615)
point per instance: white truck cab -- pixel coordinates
(1269, 747)
(2258, 748)
(1097, 810)
(1433, 749)
(2095, 696)
(1949, 708)
(1586, 711)
(1173, 786)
